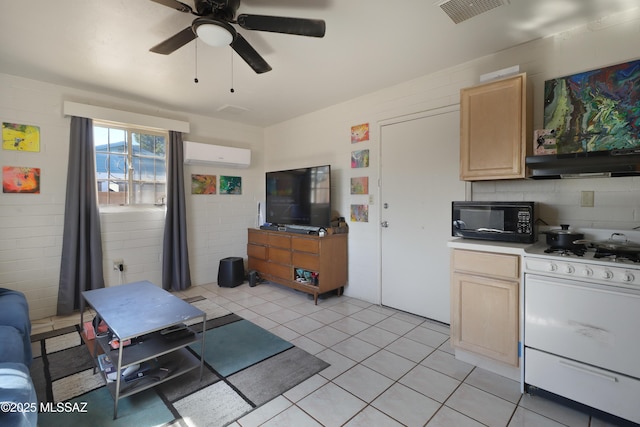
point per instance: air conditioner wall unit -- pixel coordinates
(218, 155)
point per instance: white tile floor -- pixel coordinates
(388, 368)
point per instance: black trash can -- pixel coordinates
(231, 272)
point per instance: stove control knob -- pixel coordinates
(628, 277)
(607, 274)
(587, 272)
(569, 269)
(552, 267)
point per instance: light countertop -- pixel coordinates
(489, 246)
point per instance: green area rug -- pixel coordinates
(245, 367)
(237, 345)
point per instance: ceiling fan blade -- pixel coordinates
(175, 4)
(174, 42)
(249, 54)
(281, 24)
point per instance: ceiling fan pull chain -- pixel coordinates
(195, 80)
(232, 90)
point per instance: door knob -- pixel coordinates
(384, 224)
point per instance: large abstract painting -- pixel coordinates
(597, 110)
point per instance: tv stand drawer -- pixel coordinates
(281, 271)
(254, 251)
(281, 256)
(305, 245)
(257, 237)
(279, 241)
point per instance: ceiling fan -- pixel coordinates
(213, 26)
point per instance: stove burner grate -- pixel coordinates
(578, 250)
(617, 255)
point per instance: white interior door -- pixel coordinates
(419, 179)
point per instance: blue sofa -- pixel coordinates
(18, 402)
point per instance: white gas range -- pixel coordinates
(582, 326)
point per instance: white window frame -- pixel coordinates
(131, 181)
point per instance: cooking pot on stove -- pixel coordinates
(618, 242)
(563, 238)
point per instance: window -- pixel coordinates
(130, 164)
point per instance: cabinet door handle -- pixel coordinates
(586, 370)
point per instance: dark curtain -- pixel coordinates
(175, 254)
(81, 263)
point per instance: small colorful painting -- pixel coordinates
(360, 159)
(17, 179)
(360, 213)
(360, 133)
(203, 184)
(230, 184)
(597, 110)
(19, 137)
(360, 185)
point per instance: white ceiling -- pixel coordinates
(103, 46)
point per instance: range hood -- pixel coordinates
(583, 165)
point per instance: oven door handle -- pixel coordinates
(585, 370)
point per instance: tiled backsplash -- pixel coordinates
(616, 200)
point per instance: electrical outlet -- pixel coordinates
(118, 265)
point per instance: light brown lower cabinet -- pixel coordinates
(484, 304)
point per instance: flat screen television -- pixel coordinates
(299, 196)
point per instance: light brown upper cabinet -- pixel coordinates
(495, 130)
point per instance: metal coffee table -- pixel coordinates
(142, 311)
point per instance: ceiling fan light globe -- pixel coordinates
(214, 34)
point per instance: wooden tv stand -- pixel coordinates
(276, 255)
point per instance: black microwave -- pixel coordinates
(500, 221)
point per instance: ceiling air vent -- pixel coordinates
(461, 10)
